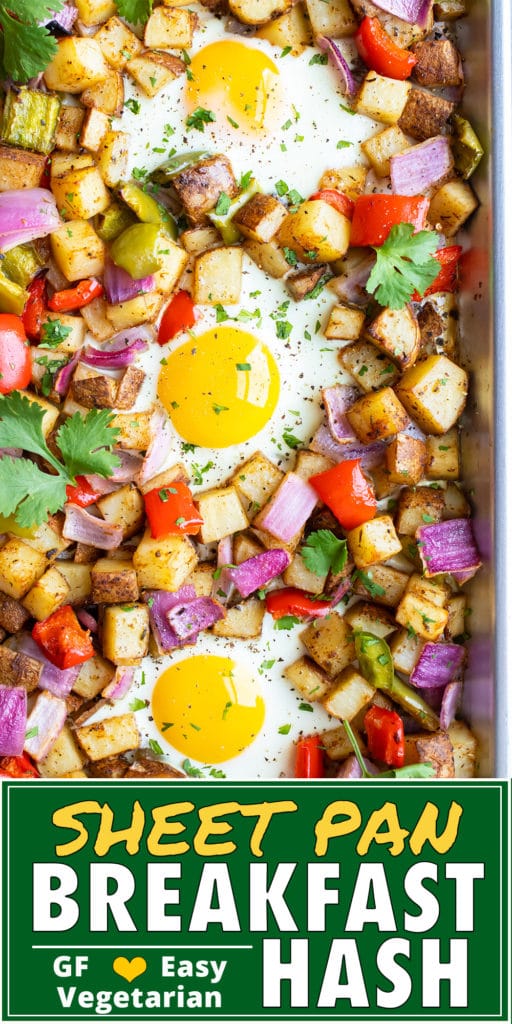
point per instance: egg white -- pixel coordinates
(299, 155)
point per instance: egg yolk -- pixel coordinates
(238, 83)
(221, 388)
(208, 708)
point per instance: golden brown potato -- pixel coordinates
(434, 393)
(301, 283)
(257, 12)
(20, 168)
(77, 250)
(350, 693)
(268, 256)
(260, 218)
(381, 147)
(425, 115)
(396, 332)
(118, 43)
(77, 65)
(170, 28)
(374, 541)
(107, 95)
(370, 368)
(114, 582)
(199, 187)
(383, 99)
(17, 669)
(434, 748)
(316, 232)
(98, 392)
(439, 63)
(13, 615)
(377, 416)
(416, 507)
(129, 387)
(218, 276)
(406, 458)
(308, 678)
(109, 737)
(451, 206)
(330, 643)
(153, 70)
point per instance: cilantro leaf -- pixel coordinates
(135, 11)
(405, 264)
(286, 622)
(373, 589)
(324, 551)
(26, 47)
(53, 332)
(29, 492)
(21, 427)
(155, 747)
(85, 443)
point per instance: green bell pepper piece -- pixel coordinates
(147, 209)
(12, 296)
(376, 666)
(467, 148)
(224, 221)
(30, 119)
(113, 221)
(21, 264)
(166, 172)
(137, 250)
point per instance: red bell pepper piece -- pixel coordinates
(179, 315)
(347, 492)
(35, 308)
(291, 601)
(385, 736)
(62, 638)
(76, 298)
(375, 215)
(82, 493)
(381, 53)
(447, 279)
(309, 758)
(336, 199)
(171, 509)
(20, 767)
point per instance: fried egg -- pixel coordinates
(284, 119)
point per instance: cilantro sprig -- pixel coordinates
(324, 551)
(135, 11)
(405, 265)
(28, 492)
(26, 46)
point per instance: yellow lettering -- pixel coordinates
(425, 830)
(394, 836)
(327, 828)
(131, 836)
(64, 817)
(210, 827)
(163, 827)
(264, 813)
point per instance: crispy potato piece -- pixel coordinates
(349, 694)
(434, 393)
(17, 669)
(94, 128)
(153, 70)
(377, 416)
(64, 757)
(337, 745)
(69, 127)
(164, 564)
(245, 546)
(439, 63)
(260, 218)
(166, 478)
(48, 594)
(297, 575)
(129, 387)
(396, 332)
(465, 750)
(383, 99)
(268, 256)
(406, 458)
(369, 367)
(109, 737)
(256, 479)
(310, 464)
(112, 767)
(369, 618)
(257, 12)
(197, 240)
(443, 456)
(435, 748)
(199, 187)
(421, 617)
(113, 582)
(308, 678)
(98, 392)
(417, 506)
(382, 583)
(402, 32)
(148, 767)
(20, 567)
(218, 276)
(334, 18)
(316, 232)
(141, 310)
(451, 206)
(345, 322)
(77, 250)
(125, 633)
(118, 43)
(113, 157)
(93, 677)
(13, 615)
(222, 513)
(107, 95)
(330, 643)
(425, 115)
(19, 168)
(301, 283)
(134, 430)
(78, 578)
(94, 12)
(170, 28)
(243, 621)
(374, 541)
(381, 147)
(406, 648)
(77, 65)
(350, 180)
(289, 29)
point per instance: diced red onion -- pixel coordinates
(420, 167)
(351, 769)
(58, 681)
(415, 12)
(104, 360)
(192, 617)
(63, 377)
(256, 572)
(341, 591)
(351, 286)
(47, 719)
(13, 720)
(65, 18)
(145, 332)
(349, 87)
(120, 684)
(87, 620)
(289, 508)
(26, 214)
(160, 602)
(103, 485)
(81, 526)
(121, 287)
(337, 400)
(128, 468)
(448, 547)
(371, 455)
(438, 665)
(161, 438)
(450, 703)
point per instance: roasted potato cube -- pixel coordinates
(381, 147)
(382, 584)
(95, 12)
(290, 29)
(377, 416)
(330, 643)
(345, 322)
(164, 564)
(349, 694)
(434, 748)
(382, 99)
(222, 513)
(134, 430)
(93, 677)
(334, 18)
(396, 332)
(113, 157)
(350, 180)
(50, 591)
(125, 633)
(431, 590)
(434, 393)
(456, 505)
(257, 12)
(402, 32)
(465, 750)
(243, 621)
(374, 541)
(20, 567)
(456, 607)
(369, 618)
(78, 579)
(450, 10)
(451, 206)
(302, 283)
(153, 70)
(197, 240)
(113, 581)
(77, 65)
(406, 458)
(114, 767)
(369, 367)
(166, 478)
(143, 309)
(316, 232)
(63, 163)
(337, 745)
(170, 28)
(95, 392)
(77, 250)
(260, 218)
(443, 456)
(256, 479)
(297, 575)
(72, 342)
(310, 464)
(118, 43)
(64, 757)
(202, 579)
(51, 414)
(245, 546)
(406, 648)
(129, 387)
(69, 128)
(19, 168)
(421, 617)
(13, 615)
(173, 262)
(218, 276)
(107, 95)
(439, 64)
(417, 506)
(425, 115)
(438, 321)
(268, 256)
(151, 768)
(310, 680)
(17, 669)
(95, 320)
(108, 737)
(199, 187)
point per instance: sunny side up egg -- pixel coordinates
(284, 119)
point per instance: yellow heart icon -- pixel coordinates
(129, 969)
